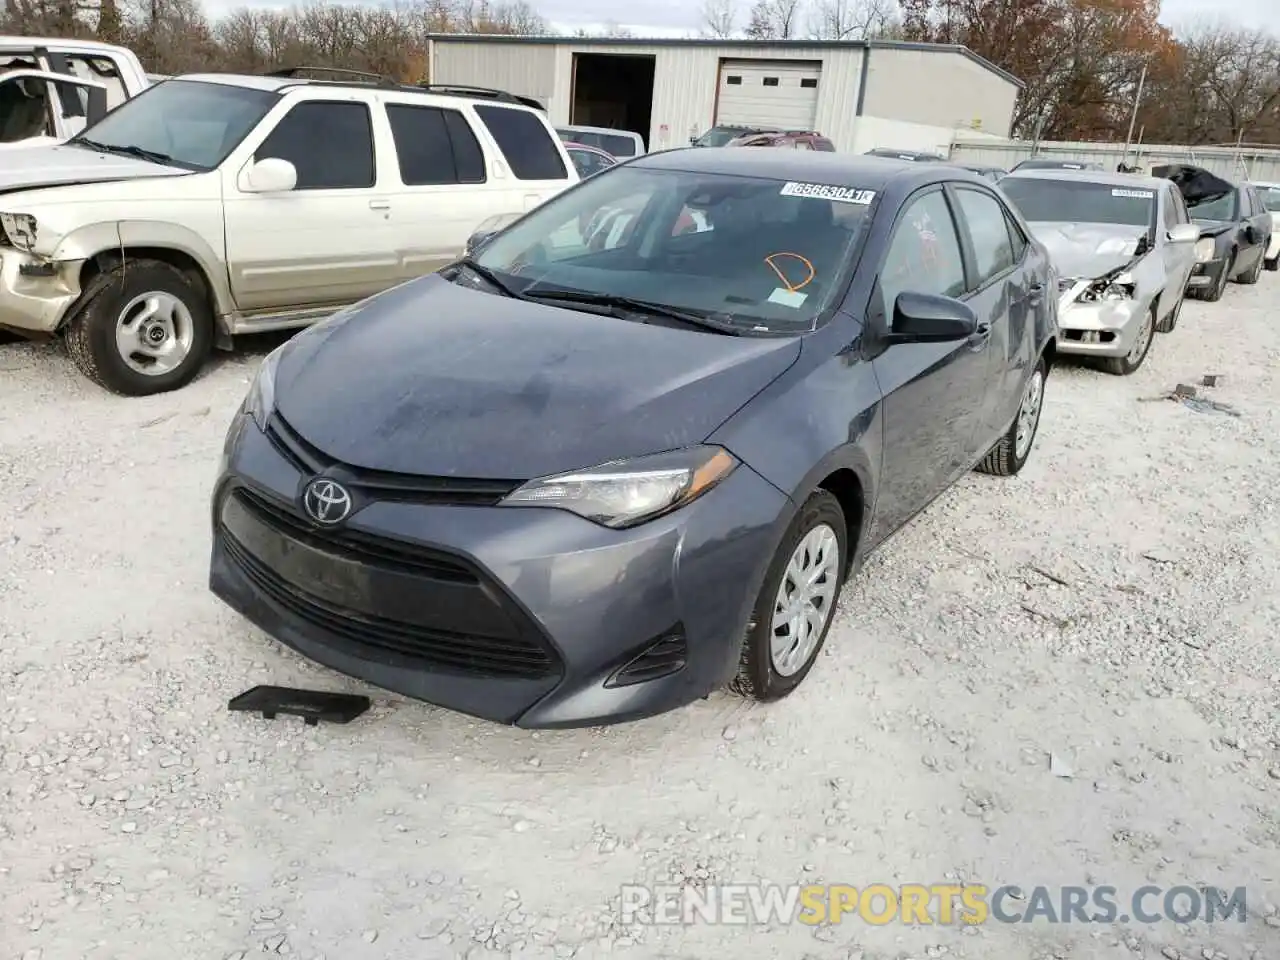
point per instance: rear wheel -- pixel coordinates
(1130, 362)
(1011, 452)
(797, 602)
(1254, 273)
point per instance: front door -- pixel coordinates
(326, 242)
(1179, 258)
(933, 393)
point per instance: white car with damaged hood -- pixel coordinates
(1123, 246)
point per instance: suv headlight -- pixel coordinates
(1205, 248)
(20, 228)
(624, 493)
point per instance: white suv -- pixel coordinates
(212, 205)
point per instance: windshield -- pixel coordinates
(1271, 198)
(760, 253)
(719, 136)
(1062, 201)
(194, 124)
(1220, 208)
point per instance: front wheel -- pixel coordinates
(145, 329)
(1273, 264)
(797, 601)
(1011, 452)
(1130, 362)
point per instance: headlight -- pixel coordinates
(20, 228)
(1205, 248)
(261, 398)
(1108, 290)
(625, 493)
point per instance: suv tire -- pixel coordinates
(817, 531)
(151, 304)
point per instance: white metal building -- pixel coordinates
(910, 96)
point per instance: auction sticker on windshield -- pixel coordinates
(1134, 194)
(824, 191)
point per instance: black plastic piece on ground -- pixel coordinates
(311, 705)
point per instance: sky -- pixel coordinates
(678, 18)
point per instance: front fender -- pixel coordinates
(88, 241)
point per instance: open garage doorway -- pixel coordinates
(613, 90)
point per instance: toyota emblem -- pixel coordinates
(326, 501)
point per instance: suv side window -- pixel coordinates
(330, 144)
(924, 254)
(524, 141)
(989, 234)
(434, 146)
(1016, 237)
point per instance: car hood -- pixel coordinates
(26, 167)
(434, 379)
(1196, 184)
(1087, 250)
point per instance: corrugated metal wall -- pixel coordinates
(1261, 165)
(528, 69)
(938, 88)
(685, 80)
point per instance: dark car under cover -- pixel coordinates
(523, 490)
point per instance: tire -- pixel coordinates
(1009, 456)
(1124, 366)
(125, 296)
(1168, 323)
(1252, 276)
(1214, 293)
(819, 521)
(1273, 264)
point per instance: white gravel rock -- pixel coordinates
(914, 752)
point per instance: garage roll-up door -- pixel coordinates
(770, 93)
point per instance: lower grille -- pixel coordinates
(667, 656)
(444, 593)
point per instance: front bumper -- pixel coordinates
(517, 615)
(1273, 248)
(35, 293)
(1104, 328)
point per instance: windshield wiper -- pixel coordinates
(128, 151)
(491, 278)
(637, 306)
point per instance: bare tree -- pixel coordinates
(851, 19)
(719, 18)
(773, 20)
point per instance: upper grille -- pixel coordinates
(382, 484)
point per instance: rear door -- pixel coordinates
(445, 188)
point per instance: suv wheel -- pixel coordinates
(144, 329)
(793, 613)
(1273, 264)
(1011, 452)
(1130, 362)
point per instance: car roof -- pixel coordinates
(579, 128)
(839, 169)
(60, 44)
(1104, 178)
(278, 83)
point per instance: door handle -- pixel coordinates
(379, 204)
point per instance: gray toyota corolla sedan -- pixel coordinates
(630, 449)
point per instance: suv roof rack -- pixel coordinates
(458, 90)
(357, 75)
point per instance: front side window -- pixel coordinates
(523, 139)
(988, 232)
(924, 254)
(329, 143)
(1078, 201)
(182, 122)
(758, 252)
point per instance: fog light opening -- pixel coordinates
(663, 657)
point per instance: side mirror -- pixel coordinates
(928, 318)
(270, 175)
(478, 240)
(1184, 233)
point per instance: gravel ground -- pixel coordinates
(139, 819)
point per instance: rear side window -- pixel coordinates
(524, 141)
(434, 146)
(330, 145)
